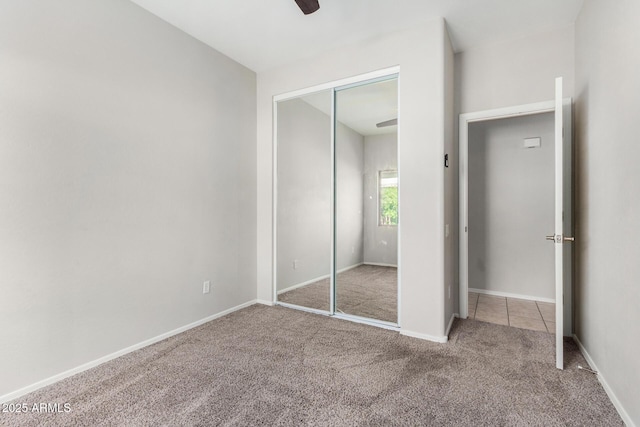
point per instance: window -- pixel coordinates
(388, 197)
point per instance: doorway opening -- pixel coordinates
(511, 202)
(515, 188)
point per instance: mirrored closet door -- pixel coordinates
(336, 200)
(303, 201)
(366, 200)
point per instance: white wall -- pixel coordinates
(128, 177)
(607, 296)
(420, 54)
(304, 194)
(514, 72)
(380, 242)
(511, 206)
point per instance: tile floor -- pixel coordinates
(519, 313)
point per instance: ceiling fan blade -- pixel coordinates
(391, 122)
(308, 6)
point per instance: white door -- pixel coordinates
(562, 203)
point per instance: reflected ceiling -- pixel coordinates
(362, 107)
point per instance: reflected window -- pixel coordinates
(388, 197)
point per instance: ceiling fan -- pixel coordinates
(384, 124)
(308, 6)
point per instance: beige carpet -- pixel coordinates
(276, 366)
(367, 291)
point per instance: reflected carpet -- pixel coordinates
(367, 291)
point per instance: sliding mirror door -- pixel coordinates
(366, 200)
(303, 201)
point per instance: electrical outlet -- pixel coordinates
(206, 287)
(295, 264)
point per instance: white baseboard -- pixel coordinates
(351, 267)
(73, 371)
(453, 317)
(612, 396)
(510, 295)
(265, 302)
(317, 279)
(427, 337)
(300, 285)
(380, 264)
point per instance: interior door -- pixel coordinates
(562, 207)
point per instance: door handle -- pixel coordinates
(559, 239)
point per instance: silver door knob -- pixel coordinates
(568, 239)
(552, 237)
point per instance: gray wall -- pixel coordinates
(304, 194)
(128, 177)
(607, 297)
(511, 206)
(380, 242)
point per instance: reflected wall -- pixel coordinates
(366, 201)
(303, 201)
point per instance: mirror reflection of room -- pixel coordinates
(365, 172)
(366, 149)
(303, 209)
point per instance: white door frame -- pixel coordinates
(465, 120)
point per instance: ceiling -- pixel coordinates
(361, 107)
(264, 34)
